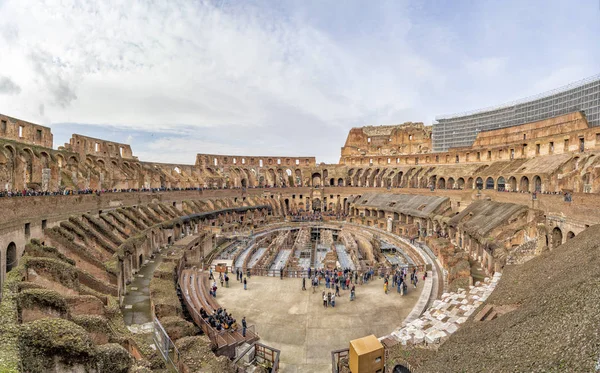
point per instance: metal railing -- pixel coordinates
(258, 354)
(166, 347)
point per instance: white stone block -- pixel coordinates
(451, 327)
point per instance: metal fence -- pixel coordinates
(166, 347)
(260, 355)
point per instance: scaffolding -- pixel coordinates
(459, 130)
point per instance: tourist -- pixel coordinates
(244, 326)
(333, 300)
(385, 287)
(245, 284)
(352, 293)
(214, 289)
(303, 283)
(415, 281)
(281, 273)
(221, 279)
(337, 289)
(210, 274)
(226, 281)
(324, 299)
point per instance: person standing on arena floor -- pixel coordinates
(244, 326)
(303, 283)
(324, 299)
(245, 284)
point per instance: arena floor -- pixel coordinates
(295, 322)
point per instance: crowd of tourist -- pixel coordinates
(70, 192)
(219, 319)
(399, 280)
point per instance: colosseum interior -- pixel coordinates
(107, 261)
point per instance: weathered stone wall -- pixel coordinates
(85, 145)
(25, 132)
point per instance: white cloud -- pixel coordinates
(290, 76)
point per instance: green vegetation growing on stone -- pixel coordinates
(101, 227)
(196, 353)
(41, 340)
(58, 270)
(112, 358)
(9, 314)
(43, 298)
(166, 270)
(92, 323)
(36, 249)
(164, 297)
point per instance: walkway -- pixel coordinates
(343, 257)
(254, 259)
(281, 259)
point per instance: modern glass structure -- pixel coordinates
(460, 130)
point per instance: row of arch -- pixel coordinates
(375, 177)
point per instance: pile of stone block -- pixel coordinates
(446, 315)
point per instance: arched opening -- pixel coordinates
(450, 183)
(140, 260)
(489, 183)
(524, 184)
(340, 182)
(512, 183)
(287, 204)
(332, 182)
(11, 256)
(501, 184)
(460, 183)
(556, 237)
(469, 184)
(441, 184)
(316, 179)
(479, 183)
(570, 235)
(537, 183)
(244, 183)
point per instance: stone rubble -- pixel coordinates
(446, 315)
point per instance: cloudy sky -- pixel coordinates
(256, 77)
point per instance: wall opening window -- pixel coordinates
(551, 147)
(537, 149)
(38, 133)
(368, 139)
(27, 229)
(566, 145)
(96, 147)
(20, 131)
(4, 126)
(121, 151)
